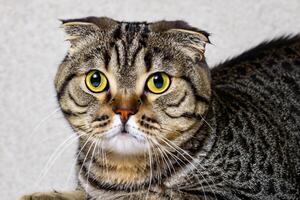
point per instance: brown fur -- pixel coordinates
(128, 53)
(233, 136)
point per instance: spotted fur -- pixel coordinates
(227, 133)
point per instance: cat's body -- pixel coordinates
(257, 108)
(236, 135)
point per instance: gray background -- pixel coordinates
(32, 45)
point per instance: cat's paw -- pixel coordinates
(77, 195)
(42, 196)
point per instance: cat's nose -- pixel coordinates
(125, 106)
(124, 114)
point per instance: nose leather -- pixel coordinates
(124, 114)
(125, 106)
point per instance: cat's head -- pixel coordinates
(132, 86)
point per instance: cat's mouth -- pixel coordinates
(124, 131)
(125, 139)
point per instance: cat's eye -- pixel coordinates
(96, 81)
(158, 82)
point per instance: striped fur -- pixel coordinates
(232, 133)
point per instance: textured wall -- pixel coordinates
(32, 45)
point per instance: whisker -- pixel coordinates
(162, 149)
(156, 161)
(180, 149)
(85, 157)
(150, 165)
(76, 158)
(176, 158)
(164, 155)
(54, 156)
(191, 169)
(34, 130)
(95, 143)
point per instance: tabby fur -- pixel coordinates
(232, 132)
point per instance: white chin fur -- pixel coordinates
(127, 144)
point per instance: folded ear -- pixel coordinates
(78, 30)
(193, 40)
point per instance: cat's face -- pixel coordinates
(130, 87)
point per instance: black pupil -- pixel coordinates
(158, 80)
(96, 79)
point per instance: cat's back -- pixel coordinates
(270, 60)
(266, 77)
(257, 102)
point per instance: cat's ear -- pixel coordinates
(192, 39)
(196, 39)
(78, 30)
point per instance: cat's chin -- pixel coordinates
(129, 142)
(125, 144)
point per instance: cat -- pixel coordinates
(154, 122)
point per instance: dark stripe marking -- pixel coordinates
(91, 179)
(118, 55)
(139, 48)
(197, 96)
(186, 115)
(75, 102)
(106, 57)
(177, 104)
(64, 84)
(148, 61)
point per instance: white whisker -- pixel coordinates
(34, 130)
(170, 143)
(76, 158)
(54, 156)
(95, 143)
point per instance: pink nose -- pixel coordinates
(124, 113)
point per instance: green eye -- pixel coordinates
(96, 81)
(158, 82)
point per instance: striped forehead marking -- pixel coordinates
(132, 38)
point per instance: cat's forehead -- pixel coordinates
(131, 34)
(129, 43)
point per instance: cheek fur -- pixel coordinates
(176, 113)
